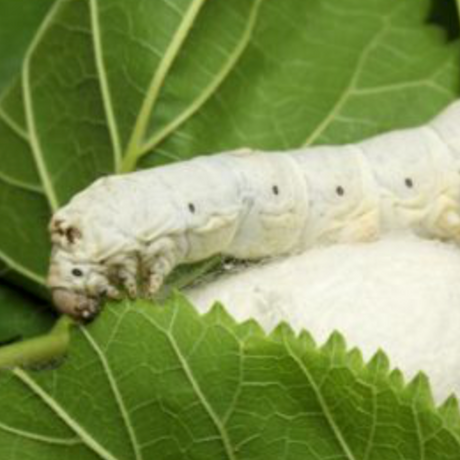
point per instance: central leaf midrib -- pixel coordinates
(116, 393)
(322, 403)
(224, 436)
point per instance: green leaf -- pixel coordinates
(18, 22)
(21, 317)
(201, 387)
(107, 86)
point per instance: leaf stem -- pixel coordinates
(39, 349)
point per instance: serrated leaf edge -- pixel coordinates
(417, 392)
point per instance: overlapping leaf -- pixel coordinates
(206, 388)
(108, 85)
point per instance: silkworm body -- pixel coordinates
(251, 205)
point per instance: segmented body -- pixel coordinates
(250, 205)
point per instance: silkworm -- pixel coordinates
(126, 229)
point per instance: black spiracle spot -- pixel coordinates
(275, 190)
(191, 207)
(77, 272)
(408, 182)
(340, 190)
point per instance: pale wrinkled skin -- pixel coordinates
(252, 205)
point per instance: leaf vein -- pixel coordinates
(322, 402)
(211, 88)
(348, 90)
(16, 266)
(351, 87)
(104, 84)
(85, 437)
(39, 437)
(20, 184)
(30, 117)
(224, 436)
(13, 125)
(140, 126)
(116, 392)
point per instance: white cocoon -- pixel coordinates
(400, 294)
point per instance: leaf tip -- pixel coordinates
(283, 331)
(397, 380)
(379, 364)
(335, 345)
(419, 391)
(355, 360)
(250, 327)
(450, 412)
(306, 340)
(218, 314)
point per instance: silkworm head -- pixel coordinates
(75, 285)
